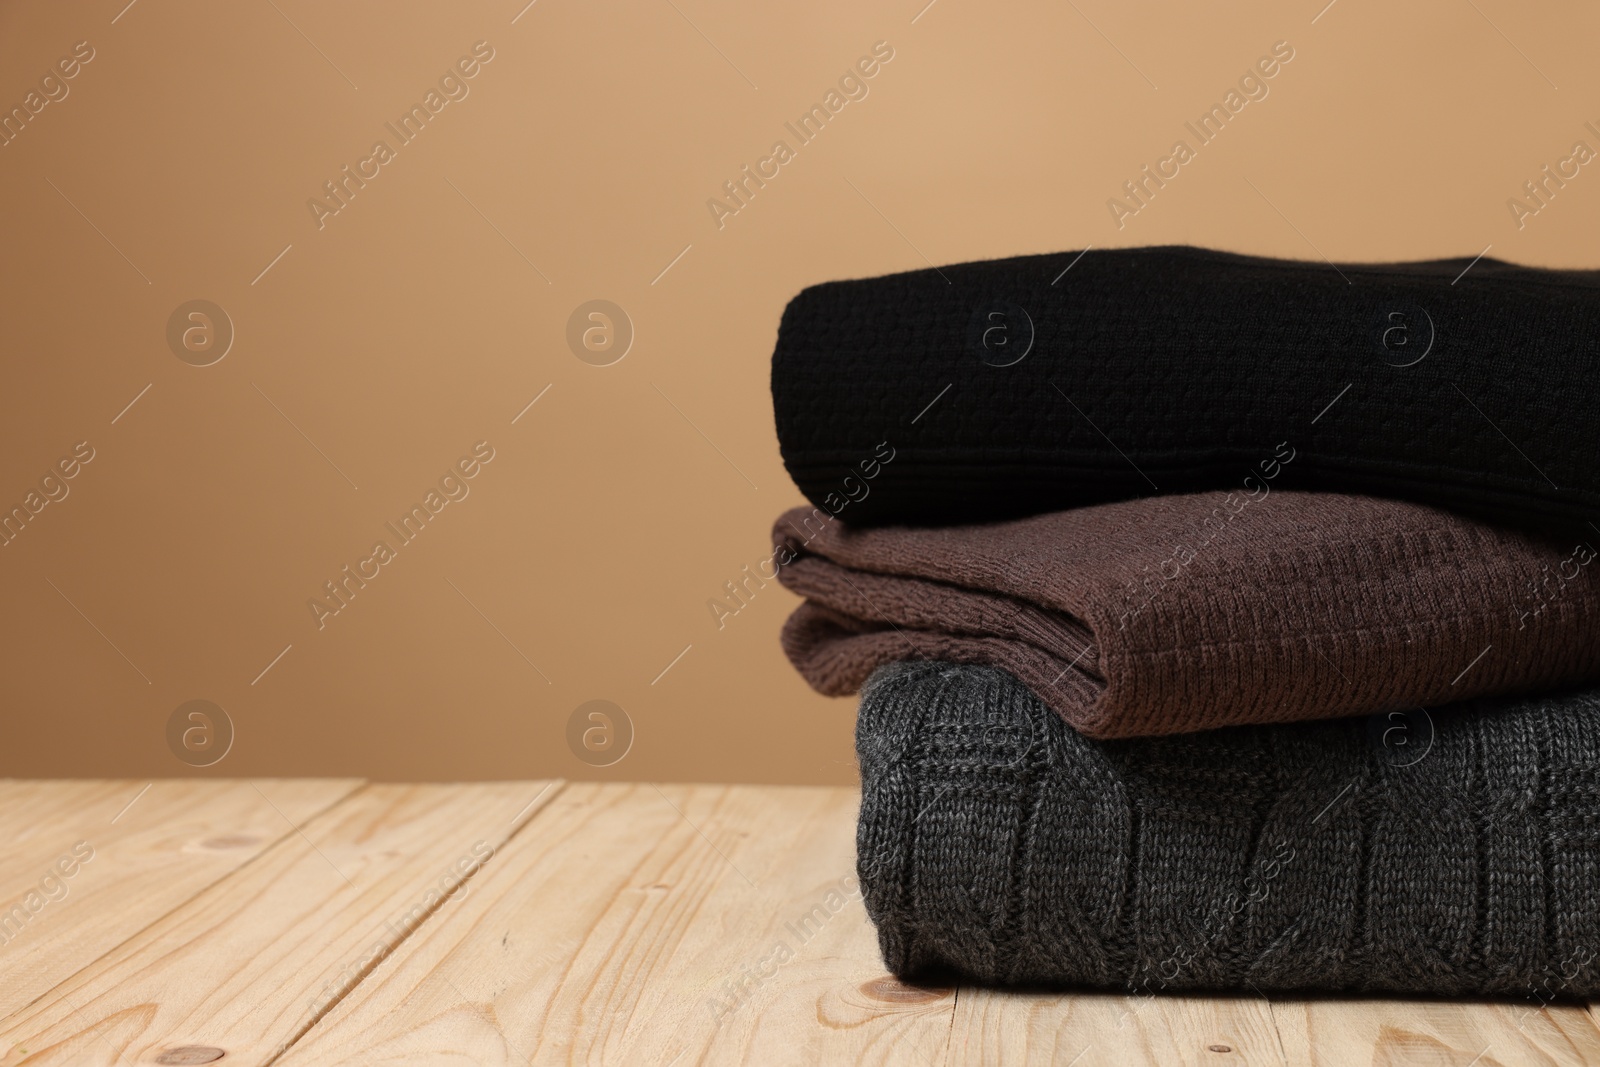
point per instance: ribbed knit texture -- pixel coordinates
(998, 845)
(1299, 606)
(1179, 369)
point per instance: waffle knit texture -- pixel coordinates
(1185, 613)
(1455, 855)
(1178, 369)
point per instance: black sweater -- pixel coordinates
(1007, 388)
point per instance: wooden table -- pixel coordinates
(303, 922)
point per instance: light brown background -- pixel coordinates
(408, 328)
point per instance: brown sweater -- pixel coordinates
(1180, 613)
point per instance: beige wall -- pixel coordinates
(424, 315)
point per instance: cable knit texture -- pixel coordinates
(1458, 855)
(1183, 613)
(1177, 369)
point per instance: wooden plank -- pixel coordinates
(247, 965)
(679, 925)
(36, 815)
(1089, 1029)
(148, 851)
(1394, 1032)
(630, 924)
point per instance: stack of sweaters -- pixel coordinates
(1219, 622)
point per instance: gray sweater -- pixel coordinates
(1451, 852)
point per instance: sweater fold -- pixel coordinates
(1448, 852)
(1012, 387)
(1192, 612)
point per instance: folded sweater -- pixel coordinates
(1457, 854)
(1021, 386)
(1182, 613)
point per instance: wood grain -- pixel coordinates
(1091, 1029)
(176, 839)
(251, 962)
(1087, 1029)
(1394, 1032)
(635, 925)
(310, 923)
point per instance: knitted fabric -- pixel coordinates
(1183, 613)
(1008, 388)
(1458, 855)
